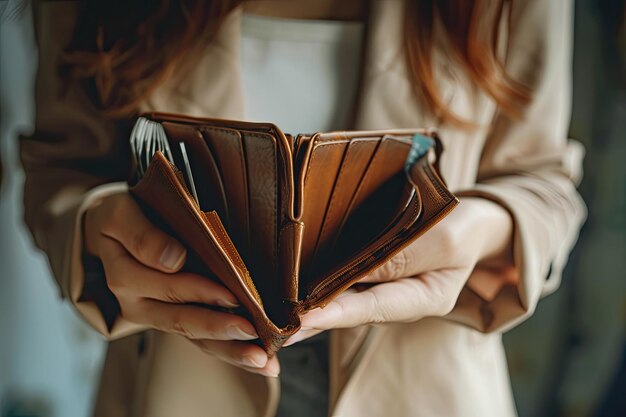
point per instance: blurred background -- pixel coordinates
(569, 359)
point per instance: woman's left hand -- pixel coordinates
(426, 278)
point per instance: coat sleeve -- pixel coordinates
(531, 168)
(74, 156)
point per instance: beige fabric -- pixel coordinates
(435, 367)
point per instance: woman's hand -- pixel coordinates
(426, 278)
(141, 264)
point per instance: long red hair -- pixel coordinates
(123, 50)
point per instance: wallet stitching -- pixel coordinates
(280, 239)
(437, 184)
(225, 240)
(221, 129)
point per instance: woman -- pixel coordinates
(493, 77)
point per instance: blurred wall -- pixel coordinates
(49, 359)
(565, 358)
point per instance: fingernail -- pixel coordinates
(172, 256)
(270, 373)
(254, 361)
(236, 333)
(272, 369)
(296, 338)
(226, 303)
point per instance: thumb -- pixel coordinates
(389, 271)
(145, 242)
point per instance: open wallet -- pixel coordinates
(285, 222)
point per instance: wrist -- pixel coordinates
(491, 230)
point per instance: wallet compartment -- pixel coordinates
(431, 203)
(163, 195)
(370, 194)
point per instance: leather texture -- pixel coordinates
(288, 223)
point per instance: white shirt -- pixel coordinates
(301, 75)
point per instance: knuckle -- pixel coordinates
(170, 294)
(116, 284)
(442, 301)
(393, 268)
(376, 314)
(373, 314)
(384, 272)
(397, 265)
(180, 326)
(215, 332)
(237, 354)
(146, 244)
(141, 241)
(447, 308)
(447, 305)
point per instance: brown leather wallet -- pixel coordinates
(286, 223)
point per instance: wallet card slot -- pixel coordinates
(355, 162)
(162, 193)
(382, 196)
(229, 154)
(163, 196)
(324, 163)
(431, 201)
(400, 234)
(207, 178)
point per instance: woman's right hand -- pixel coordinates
(142, 266)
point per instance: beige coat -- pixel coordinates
(453, 366)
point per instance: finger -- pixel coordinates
(406, 299)
(244, 355)
(190, 321)
(152, 247)
(271, 368)
(127, 276)
(422, 255)
(301, 335)
(389, 271)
